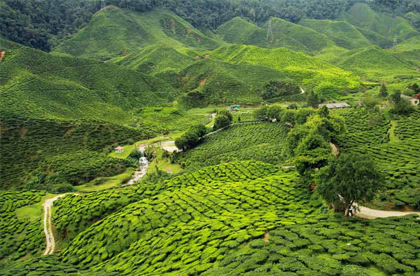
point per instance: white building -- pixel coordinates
(335, 105)
(413, 101)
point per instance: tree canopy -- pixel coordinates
(349, 179)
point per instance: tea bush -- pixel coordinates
(19, 236)
(262, 142)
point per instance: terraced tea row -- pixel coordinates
(19, 236)
(262, 142)
(364, 128)
(73, 214)
(402, 177)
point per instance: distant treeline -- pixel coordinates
(40, 23)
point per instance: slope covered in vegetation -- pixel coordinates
(275, 33)
(374, 63)
(384, 25)
(342, 33)
(302, 68)
(116, 32)
(40, 85)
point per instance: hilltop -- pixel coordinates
(275, 33)
(341, 33)
(380, 28)
(116, 32)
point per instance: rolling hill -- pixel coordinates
(342, 33)
(374, 63)
(379, 27)
(409, 51)
(155, 59)
(116, 32)
(40, 85)
(302, 68)
(275, 33)
(212, 81)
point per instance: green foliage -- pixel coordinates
(28, 143)
(191, 137)
(368, 134)
(276, 89)
(211, 223)
(301, 68)
(75, 168)
(348, 179)
(312, 99)
(19, 236)
(275, 33)
(116, 32)
(342, 33)
(384, 91)
(247, 141)
(58, 87)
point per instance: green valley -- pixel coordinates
(175, 138)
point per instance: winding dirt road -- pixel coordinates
(49, 235)
(368, 213)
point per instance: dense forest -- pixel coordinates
(40, 24)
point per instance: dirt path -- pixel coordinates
(368, 213)
(334, 149)
(302, 91)
(49, 235)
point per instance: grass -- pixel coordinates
(392, 136)
(104, 183)
(33, 212)
(126, 151)
(162, 163)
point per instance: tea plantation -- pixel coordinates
(19, 236)
(248, 141)
(119, 155)
(370, 133)
(220, 224)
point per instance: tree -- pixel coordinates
(324, 112)
(403, 107)
(370, 103)
(312, 99)
(191, 137)
(383, 92)
(221, 122)
(288, 118)
(348, 179)
(226, 113)
(274, 112)
(260, 114)
(396, 97)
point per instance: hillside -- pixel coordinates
(341, 33)
(302, 68)
(409, 51)
(40, 85)
(377, 26)
(216, 82)
(374, 63)
(155, 59)
(116, 32)
(238, 218)
(275, 33)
